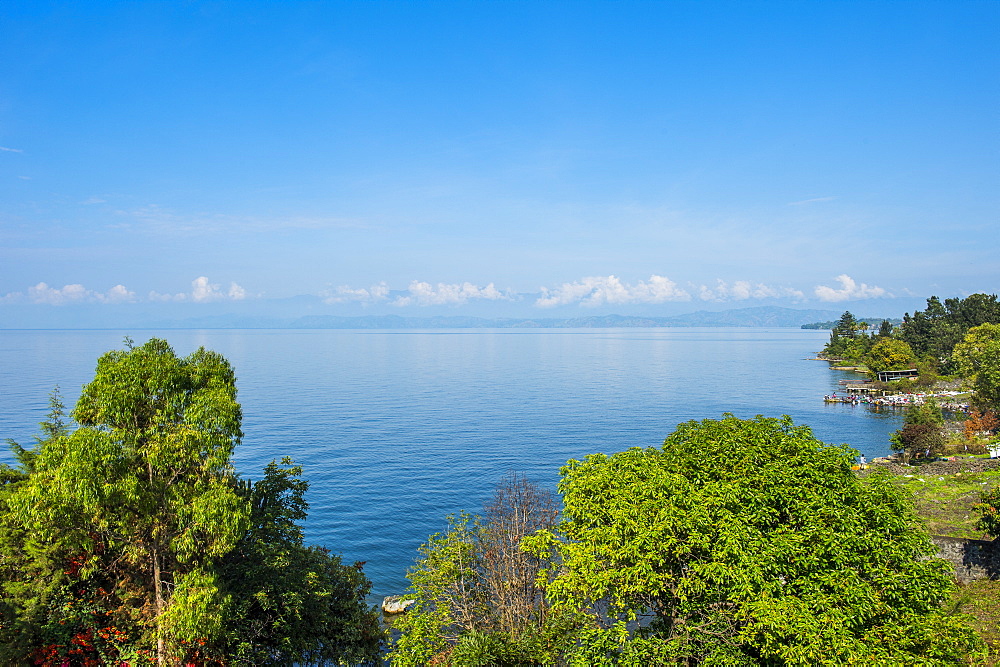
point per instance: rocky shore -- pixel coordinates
(940, 467)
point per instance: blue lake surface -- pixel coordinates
(397, 429)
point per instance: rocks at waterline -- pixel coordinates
(395, 604)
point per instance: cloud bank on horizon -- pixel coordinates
(541, 156)
(587, 292)
(202, 291)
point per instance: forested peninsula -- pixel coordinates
(127, 538)
(952, 345)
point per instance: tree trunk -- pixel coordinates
(161, 658)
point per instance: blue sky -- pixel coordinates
(594, 156)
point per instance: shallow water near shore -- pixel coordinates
(397, 429)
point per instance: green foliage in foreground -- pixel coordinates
(745, 542)
(477, 596)
(291, 603)
(130, 538)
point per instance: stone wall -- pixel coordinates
(962, 465)
(973, 559)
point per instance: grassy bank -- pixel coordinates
(944, 493)
(981, 600)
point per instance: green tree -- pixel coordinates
(28, 585)
(977, 358)
(836, 345)
(147, 477)
(941, 326)
(973, 310)
(848, 326)
(291, 603)
(843, 332)
(929, 331)
(847, 338)
(857, 348)
(922, 435)
(131, 540)
(919, 441)
(889, 354)
(884, 329)
(745, 542)
(989, 512)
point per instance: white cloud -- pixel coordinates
(119, 294)
(42, 293)
(849, 289)
(742, 290)
(11, 150)
(345, 293)
(202, 291)
(598, 290)
(425, 294)
(75, 293)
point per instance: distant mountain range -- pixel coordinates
(762, 316)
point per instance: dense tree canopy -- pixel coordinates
(119, 538)
(744, 542)
(934, 340)
(291, 603)
(977, 358)
(845, 332)
(936, 330)
(888, 354)
(884, 329)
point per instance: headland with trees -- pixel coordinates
(951, 348)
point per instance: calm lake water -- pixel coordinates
(397, 429)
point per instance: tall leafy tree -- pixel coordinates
(29, 585)
(847, 325)
(884, 329)
(846, 337)
(745, 542)
(130, 540)
(147, 478)
(973, 310)
(926, 331)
